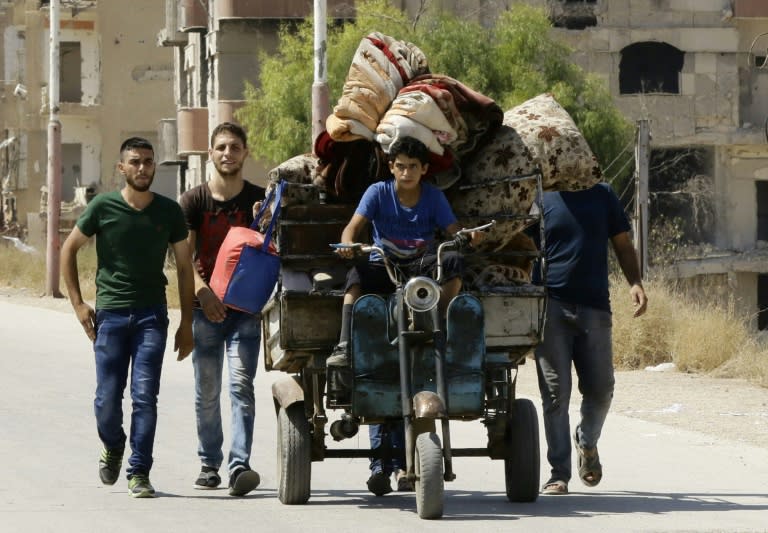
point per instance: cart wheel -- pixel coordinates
(429, 476)
(521, 467)
(294, 460)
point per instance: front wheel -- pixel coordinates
(428, 464)
(294, 459)
(521, 465)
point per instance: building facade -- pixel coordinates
(114, 83)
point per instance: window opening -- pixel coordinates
(650, 67)
(71, 72)
(71, 171)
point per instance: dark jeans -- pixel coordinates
(580, 335)
(390, 434)
(132, 338)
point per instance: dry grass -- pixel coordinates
(697, 337)
(27, 270)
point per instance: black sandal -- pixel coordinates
(590, 469)
(207, 480)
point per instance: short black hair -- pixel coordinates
(231, 127)
(135, 142)
(411, 147)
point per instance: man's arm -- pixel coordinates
(183, 341)
(625, 253)
(213, 308)
(84, 312)
(349, 235)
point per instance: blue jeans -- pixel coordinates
(582, 335)
(390, 434)
(135, 338)
(238, 337)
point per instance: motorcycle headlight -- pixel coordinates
(421, 294)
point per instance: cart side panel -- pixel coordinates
(297, 325)
(513, 321)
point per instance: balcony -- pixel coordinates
(168, 142)
(192, 124)
(171, 35)
(226, 110)
(192, 16)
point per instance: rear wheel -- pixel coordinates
(294, 460)
(428, 463)
(521, 465)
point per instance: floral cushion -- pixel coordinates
(538, 134)
(552, 140)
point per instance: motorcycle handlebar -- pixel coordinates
(459, 241)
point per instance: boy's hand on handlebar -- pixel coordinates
(476, 237)
(347, 250)
(467, 240)
(466, 237)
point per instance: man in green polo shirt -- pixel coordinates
(134, 228)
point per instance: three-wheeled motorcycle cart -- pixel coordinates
(407, 362)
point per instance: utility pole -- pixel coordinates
(53, 241)
(642, 163)
(320, 97)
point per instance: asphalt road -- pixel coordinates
(656, 478)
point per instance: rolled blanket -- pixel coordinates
(393, 127)
(480, 113)
(444, 100)
(380, 67)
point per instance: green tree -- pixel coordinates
(511, 62)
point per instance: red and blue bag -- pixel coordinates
(247, 265)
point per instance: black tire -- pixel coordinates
(294, 460)
(428, 463)
(521, 466)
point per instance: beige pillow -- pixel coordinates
(555, 144)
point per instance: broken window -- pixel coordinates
(71, 170)
(650, 67)
(762, 301)
(681, 202)
(573, 14)
(14, 54)
(71, 72)
(762, 210)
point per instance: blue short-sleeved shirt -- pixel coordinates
(577, 227)
(405, 232)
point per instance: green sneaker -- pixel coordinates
(140, 487)
(110, 463)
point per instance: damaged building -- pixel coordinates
(698, 72)
(114, 83)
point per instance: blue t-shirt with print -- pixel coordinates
(405, 232)
(577, 228)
